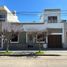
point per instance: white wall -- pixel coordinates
(12, 18)
(65, 35)
(47, 13)
(43, 26)
(9, 16)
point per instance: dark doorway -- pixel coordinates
(54, 41)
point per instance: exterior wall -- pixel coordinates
(15, 46)
(50, 12)
(12, 26)
(2, 12)
(55, 30)
(21, 44)
(0, 27)
(65, 35)
(34, 27)
(22, 37)
(24, 45)
(10, 17)
(54, 25)
(52, 28)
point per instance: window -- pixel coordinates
(52, 19)
(14, 38)
(40, 37)
(2, 17)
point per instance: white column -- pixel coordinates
(46, 39)
(26, 37)
(2, 38)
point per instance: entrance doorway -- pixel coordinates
(54, 41)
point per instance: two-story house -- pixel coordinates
(50, 32)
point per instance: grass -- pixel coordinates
(39, 53)
(6, 53)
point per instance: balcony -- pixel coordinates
(55, 25)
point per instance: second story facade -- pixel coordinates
(7, 16)
(51, 16)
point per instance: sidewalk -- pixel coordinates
(58, 52)
(48, 52)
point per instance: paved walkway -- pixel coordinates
(59, 52)
(56, 52)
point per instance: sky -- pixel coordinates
(33, 6)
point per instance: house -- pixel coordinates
(50, 32)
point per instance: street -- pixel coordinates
(33, 61)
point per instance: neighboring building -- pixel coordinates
(50, 33)
(7, 16)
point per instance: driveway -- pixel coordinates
(33, 61)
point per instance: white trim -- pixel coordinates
(40, 42)
(26, 37)
(1, 41)
(63, 36)
(16, 41)
(46, 39)
(56, 34)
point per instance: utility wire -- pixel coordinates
(36, 13)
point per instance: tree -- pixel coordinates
(8, 30)
(7, 37)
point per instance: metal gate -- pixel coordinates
(54, 41)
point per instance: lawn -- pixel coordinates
(39, 53)
(6, 53)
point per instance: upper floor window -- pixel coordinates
(2, 17)
(52, 19)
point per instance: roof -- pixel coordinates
(33, 23)
(34, 27)
(52, 10)
(5, 9)
(28, 23)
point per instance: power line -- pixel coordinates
(36, 13)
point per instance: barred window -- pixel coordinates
(40, 37)
(14, 38)
(52, 19)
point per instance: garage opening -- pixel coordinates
(54, 41)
